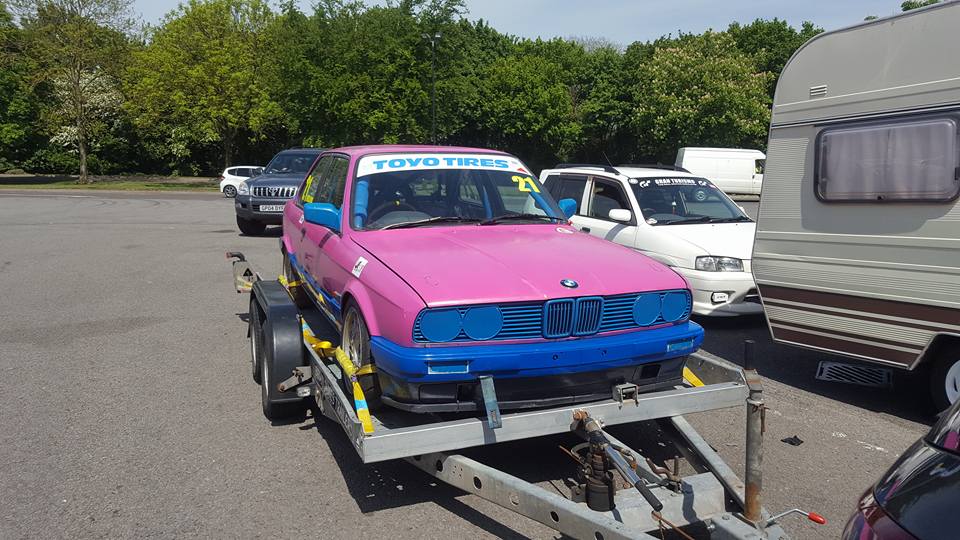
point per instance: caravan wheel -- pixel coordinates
(945, 381)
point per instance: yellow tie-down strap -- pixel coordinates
(691, 378)
(349, 370)
(283, 281)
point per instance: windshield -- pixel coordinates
(422, 191)
(290, 163)
(673, 201)
(946, 432)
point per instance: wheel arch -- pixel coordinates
(356, 293)
(938, 348)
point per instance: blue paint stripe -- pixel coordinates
(316, 286)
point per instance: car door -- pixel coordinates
(603, 195)
(323, 248)
(293, 225)
(758, 166)
(568, 186)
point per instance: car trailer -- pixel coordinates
(618, 492)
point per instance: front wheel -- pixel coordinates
(250, 227)
(355, 341)
(945, 381)
(229, 191)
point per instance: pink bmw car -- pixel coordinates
(440, 265)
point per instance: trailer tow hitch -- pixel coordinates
(596, 469)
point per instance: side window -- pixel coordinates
(912, 159)
(568, 187)
(308, 191)
(232, 171)
(607, 196)
(335, 182)
(244, 172)
(759, 165)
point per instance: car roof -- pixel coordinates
(625, 171)
(358, 151)
(304, 150)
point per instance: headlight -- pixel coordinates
(719, 264)
(243, 188)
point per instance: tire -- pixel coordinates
(249, 227)
(355, 341)
(298, 293)
(256, 338)
(945, 380)
(273, 410)
(229, 191)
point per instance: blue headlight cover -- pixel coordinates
(440, 324)
(646, 309)
(674, 306)
(481, 323)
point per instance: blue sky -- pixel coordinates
(626, 21)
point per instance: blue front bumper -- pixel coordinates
(541, 359)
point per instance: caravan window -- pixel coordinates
(903, 160)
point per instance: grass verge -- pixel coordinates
(115, 185)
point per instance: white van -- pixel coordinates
(733, 170)
(672, 216)
(858, 237)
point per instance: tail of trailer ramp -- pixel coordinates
(617, 492)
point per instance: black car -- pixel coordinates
(260, 199)
(919, 497)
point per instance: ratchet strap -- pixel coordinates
(349, 370)
(691, 378)
(283, 281)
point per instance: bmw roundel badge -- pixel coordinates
(569, 283)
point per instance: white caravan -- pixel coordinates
(857, 248)
(734, 170)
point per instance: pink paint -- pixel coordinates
(476, 264)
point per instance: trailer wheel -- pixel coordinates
(275, 407)
(355, 341)
(297, 292)
(945, 380)
(255, 332)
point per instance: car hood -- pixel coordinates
(462, 265)
(718, 239)
(276, 180)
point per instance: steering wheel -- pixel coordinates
(377, 212)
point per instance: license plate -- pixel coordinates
(271, 208)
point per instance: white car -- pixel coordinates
(675, 217)
(231, 177)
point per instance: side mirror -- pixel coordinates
(620, 214)
(323, 214)
(568, 207)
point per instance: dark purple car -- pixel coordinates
(919, 497)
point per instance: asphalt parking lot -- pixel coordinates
(127, 408)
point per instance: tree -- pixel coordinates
(914, 4)
(527, 109)
(19, 100)
(200, 79)
(703, 91)
(771, 43)
(78, 47)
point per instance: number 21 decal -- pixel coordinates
(526, 184)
